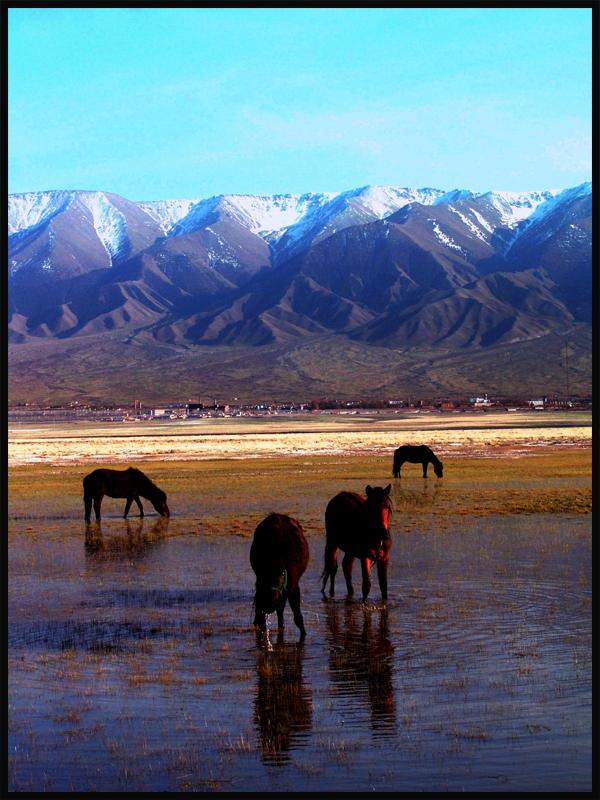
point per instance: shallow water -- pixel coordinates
(133, 664)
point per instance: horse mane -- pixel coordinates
(144, 480)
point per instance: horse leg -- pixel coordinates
(97, 504)
(295, 606)
(365, 564)
(330, 568)
(87, 502)
(127, 507)
(139, 505)
(425, 465)
(382, 565)
(399, 467)
(347, 563)
(279, 608)
(260, 618)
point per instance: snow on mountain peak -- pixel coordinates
(109, 223)
(167, 213)
(383, 201)
(286, 221)
(268, 214)
(31, 209)
(453, 196)
(514, 207)
(261, 214)
(554, 201)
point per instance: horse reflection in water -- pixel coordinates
(423, 495)
(283, 704)
(135, 542)
(361, 661)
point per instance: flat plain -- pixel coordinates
(133, 664)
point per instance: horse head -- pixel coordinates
(159, 501)
(269, 591)
(439, 469)
(378, 508)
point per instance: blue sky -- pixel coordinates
(186, 103)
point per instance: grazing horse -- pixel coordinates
(416, 454)
(278, 556)
(360, 527)
(129, 483)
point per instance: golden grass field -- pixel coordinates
(472, 434)
(229, 473)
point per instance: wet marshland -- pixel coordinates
(134, 666)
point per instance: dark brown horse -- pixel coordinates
(278, 556)
(129, 483)
(416, 454)
(360, 527)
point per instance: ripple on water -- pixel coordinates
(475, 675)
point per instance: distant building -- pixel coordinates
(537, 405)
(480, 402)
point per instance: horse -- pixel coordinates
(279, 556)
(130, 483)
(360, 527)
(416, 454)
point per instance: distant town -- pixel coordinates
(138, 411)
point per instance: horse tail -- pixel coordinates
(329, 566)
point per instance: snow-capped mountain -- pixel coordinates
(69, 233)
(267, 216)
(382, 264)
(288, 222)
(167, 213)
(28, 211)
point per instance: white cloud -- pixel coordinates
(571, 154)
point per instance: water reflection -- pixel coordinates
(423, 493)
(361, 660)
(135, 542)
(283, 704)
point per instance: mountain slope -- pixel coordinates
(385, 265)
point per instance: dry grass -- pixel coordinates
(341, 435)
(216, 496)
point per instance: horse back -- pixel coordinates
(94, 479)
(343, 512)
(279, 543)
(414, 453)
(113, 482)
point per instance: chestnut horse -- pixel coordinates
(416, 454)
(278, 556)
(129, 483)
(360, 527)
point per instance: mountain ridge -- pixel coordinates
(389, 267)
